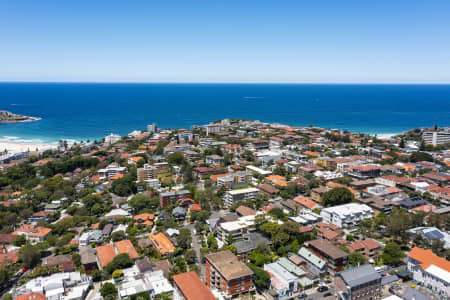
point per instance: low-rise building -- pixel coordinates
(188, 286)
(162, 243)
(362, 282)
(314, 263)
(368, 247)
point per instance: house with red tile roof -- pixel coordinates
(144, 219)
(368, 247)
(33, 233)
(31, 296)
(306, 202)
(190, 287)
(105, 255)
(127, 247)
(162, 243)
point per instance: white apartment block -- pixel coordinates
(347, 215)
(233, 196)
(436, 137)
(111, 170)
(237, 229)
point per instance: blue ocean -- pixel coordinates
(81, 111)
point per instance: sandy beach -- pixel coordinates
(386, 135)
(16, 146)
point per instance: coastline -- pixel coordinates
(24, 146)
(18, 144)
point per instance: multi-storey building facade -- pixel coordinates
(231, 197)
(362, 283)
(226, 273)
(346, 215)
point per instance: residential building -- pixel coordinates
(266, 156)
(111, 170)
(34, 234)
(233, 196)
(370, 248)
(436, 137)
(359, 283)
(326, 250)
(238, 229)
(153, 283)
(314, 263)
(88, 259)
(214, 159)
(347, 215)
(430, 270)
(363, 171)
(171, 197)
(250, 242)
(252, 169)
(112, 138)
(105, 255)
(329, 232)
(226, 273)
(162, 243)
(153, 128)
(282, 281)
(188, 286)
(318, 192)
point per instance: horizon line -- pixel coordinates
(229, 82)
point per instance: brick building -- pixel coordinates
(226, 273)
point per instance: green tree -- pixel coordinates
(120, 261)
(29, 255)
(337, 196)
(277, 212)
(261, 279)
(184, 239)
(118, 236)
(20, 240)
(175, 158)
(108, 291)
(355, 259)
(392, 254)
(190, 256)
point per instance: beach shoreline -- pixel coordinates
(21, 147)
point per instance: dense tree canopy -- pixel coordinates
(337, 196)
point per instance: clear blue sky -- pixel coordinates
(400, 41)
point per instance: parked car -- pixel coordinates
(327, 294)
(302, 296)
(322, 288)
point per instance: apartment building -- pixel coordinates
(430, 270)
(436, 137)
(227, 274)
(326, 250)
(362, 283)
(347, 215)
(238, 229)
(368, 247)
(231, 197)
(111, 170)
(168, 198)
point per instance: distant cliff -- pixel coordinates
(9, 117)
